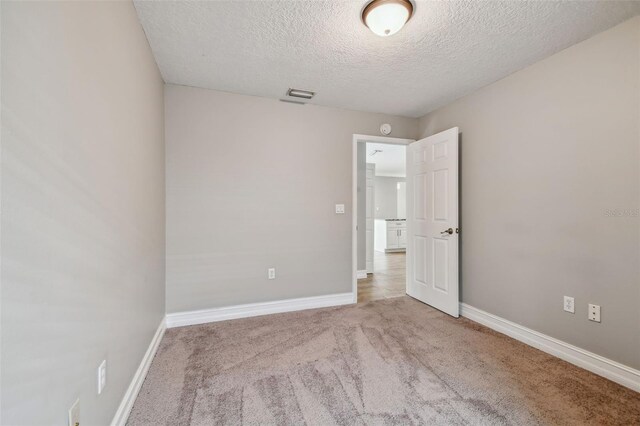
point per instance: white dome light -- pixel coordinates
(387, 17)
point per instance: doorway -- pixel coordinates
(431, 232)
(379, 217)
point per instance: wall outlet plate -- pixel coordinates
(271, 273)
(339, 208)
(74, 413)
(569, 304)
(594, 313)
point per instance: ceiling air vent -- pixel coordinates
(302, 94)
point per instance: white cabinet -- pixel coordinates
(393, 238)
(390, 235)
(402, 238)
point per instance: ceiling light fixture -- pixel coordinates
(387, 17)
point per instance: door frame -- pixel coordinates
(354, 199)
(370, 245)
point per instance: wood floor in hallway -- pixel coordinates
(388, 278)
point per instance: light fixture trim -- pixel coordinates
(299, 93)
(375, 4)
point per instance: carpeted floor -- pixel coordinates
(393, 361)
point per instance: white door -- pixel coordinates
(432, 221)
(371, 173)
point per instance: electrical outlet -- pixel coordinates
(569, 304)
(594, 313)
(272, 273)
(339, 208)
(74, 414)
(102, 376)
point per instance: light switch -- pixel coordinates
(339, 208)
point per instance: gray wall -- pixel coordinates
(545, 153)
(252, 183)
(386, 196)
(82, 207)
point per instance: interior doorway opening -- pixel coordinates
(380, 247)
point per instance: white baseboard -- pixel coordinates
(120, 419)
(612, 370)
(362, 274)
(180, 319)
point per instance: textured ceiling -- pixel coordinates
(448, 49)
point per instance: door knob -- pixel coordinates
(447, 231)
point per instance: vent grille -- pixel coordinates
(299, 93)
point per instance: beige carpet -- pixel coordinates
(394, 361)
